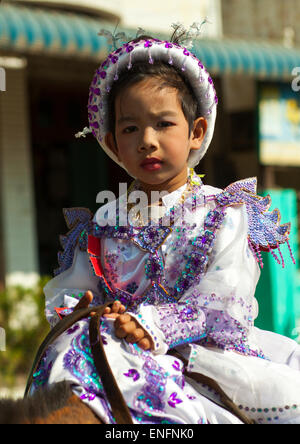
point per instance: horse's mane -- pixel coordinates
(40, 405)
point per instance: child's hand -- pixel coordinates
(110, 312)
(127, 327)
(115, 311)
(85, 301)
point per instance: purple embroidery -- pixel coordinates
(132, 373)
(153, 392)
(176, 365)
(90, 396)
(173, 400)
(104, 341)
(72, 330)
(79, 362)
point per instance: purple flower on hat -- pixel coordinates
(129, 48)
(201, 65)
(148, 44)
(95, 124)
(114, 59)
(95, 91)
(168, 45)
(185, 52)
(103, 74)
(93, 108)
(104, 64)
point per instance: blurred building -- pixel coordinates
(49, 50)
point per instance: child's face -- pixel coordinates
(150, 124)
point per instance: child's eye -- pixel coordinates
(129, 129)
(164, 124)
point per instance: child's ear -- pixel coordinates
(198, 133)
(111, 143)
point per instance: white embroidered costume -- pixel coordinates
(191, 286)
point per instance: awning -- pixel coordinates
(42, 31)
(260, 59)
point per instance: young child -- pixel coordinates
(186, 286)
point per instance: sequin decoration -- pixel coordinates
(267, 415)
(154, 295)
(151, 237)
(154, 267)
(182, 323)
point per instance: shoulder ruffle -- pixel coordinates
(78, 221)
(265, 232)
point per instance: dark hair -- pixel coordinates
(169, 77)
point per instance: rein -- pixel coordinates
(118, 405)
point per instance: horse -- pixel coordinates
(56, 404)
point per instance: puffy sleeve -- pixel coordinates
(220, 306)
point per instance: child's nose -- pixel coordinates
(148, 139)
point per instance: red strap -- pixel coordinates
(94, 251)
(63, 311)
(94, 246)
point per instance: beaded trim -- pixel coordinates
(263, 415)
(265, 232)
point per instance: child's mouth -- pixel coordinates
(151, 164)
